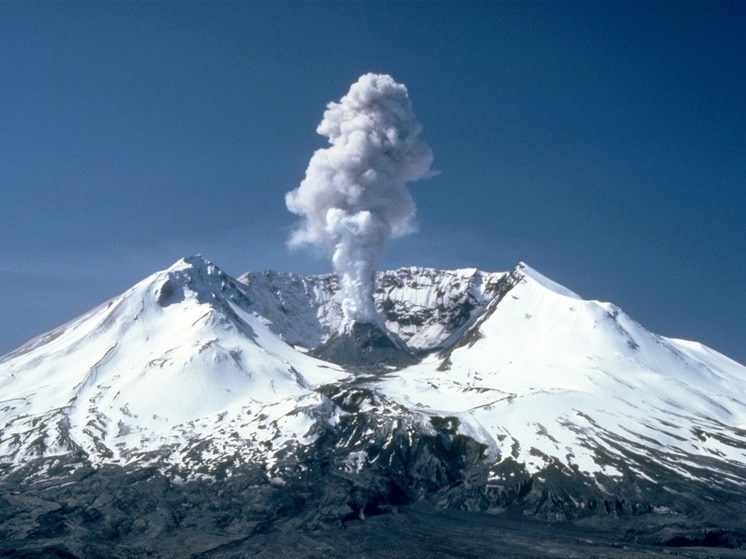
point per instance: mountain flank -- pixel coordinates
(222, 413)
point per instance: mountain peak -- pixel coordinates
(195, 264)
(193, 276)
(526, 271)
(194, 261)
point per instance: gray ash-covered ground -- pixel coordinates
(427, 499)
(364, 347)
(118, 514)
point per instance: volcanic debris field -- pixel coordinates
(120, 512)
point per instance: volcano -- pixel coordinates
(244, 416)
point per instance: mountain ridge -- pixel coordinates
(522, 397)
(225, 328)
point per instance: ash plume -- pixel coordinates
(353, 198)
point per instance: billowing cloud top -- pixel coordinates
(354, 198)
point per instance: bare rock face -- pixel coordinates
(365, 347)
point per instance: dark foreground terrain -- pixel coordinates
(414, 532)
(421, 531)
(122, 513)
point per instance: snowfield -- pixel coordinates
(192, 367)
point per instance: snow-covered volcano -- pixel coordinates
(538, 398)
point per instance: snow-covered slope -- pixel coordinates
(175, 360)
(519, 377)
(546, 377)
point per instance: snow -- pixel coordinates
(305, 311)
(193, 361)
(543, 361)
(128, 372)
(529, 273)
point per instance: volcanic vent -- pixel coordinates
(365, 347)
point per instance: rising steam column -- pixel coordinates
(353, 199)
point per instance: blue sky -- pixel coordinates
(602, 143)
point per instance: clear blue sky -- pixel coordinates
(602, 143)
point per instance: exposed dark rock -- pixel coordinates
(365, 347)
(168, 293)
